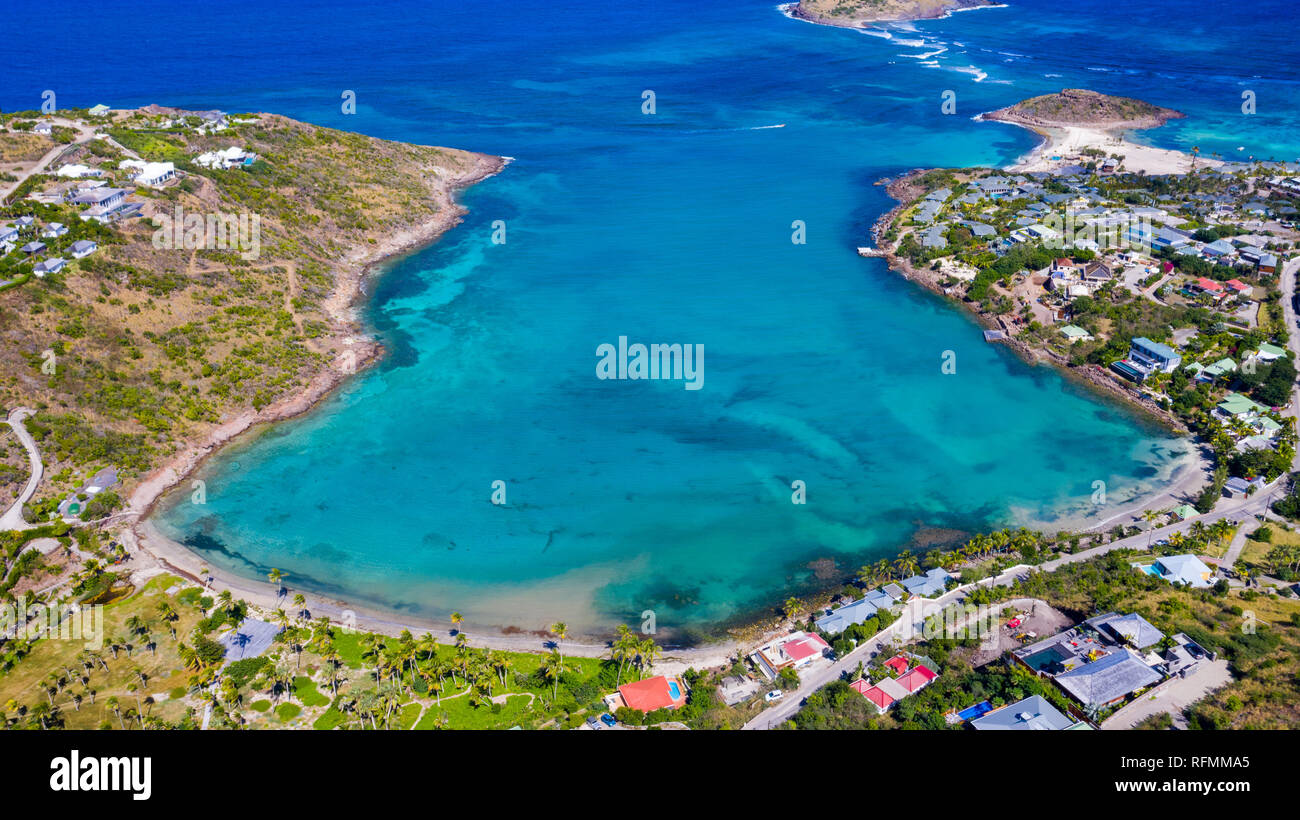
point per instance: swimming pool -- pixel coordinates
(975, 711)
(674, 689)
(1152, 569)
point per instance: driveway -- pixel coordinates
(1173, 697)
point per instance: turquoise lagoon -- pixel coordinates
(675, 227)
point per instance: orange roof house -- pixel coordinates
(654, 693)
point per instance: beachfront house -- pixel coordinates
(1146, 357)
(1074, 333)
(837, 620)
(647, 695)
(798, 650)
(880, 598)
(1238, 487)
(1153, 356)
(928, 585)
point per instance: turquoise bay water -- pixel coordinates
(820, 366)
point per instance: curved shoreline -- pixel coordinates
(1185, 480)
(144, 537)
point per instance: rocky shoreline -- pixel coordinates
(897, 12)
(905, 190)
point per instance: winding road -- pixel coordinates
(13, 517)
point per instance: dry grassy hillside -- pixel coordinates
(154, 346)
(1080, 107)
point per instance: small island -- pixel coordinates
(1079, 107)
(856, 13)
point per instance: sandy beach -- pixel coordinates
(153, 552)
(1062, 147)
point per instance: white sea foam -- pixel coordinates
(925, 55)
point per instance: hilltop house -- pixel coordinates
(52, 265)
(83, 248)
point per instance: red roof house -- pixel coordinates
(806, 647)
(1209, 285)
(653, 693)
(875, 694)
(916, 679)
(897, 664)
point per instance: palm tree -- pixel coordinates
(169, 616)
(561, 631)
(647, 653)
(456, 620)
(275, 577)
(790, 607)
(551, 669)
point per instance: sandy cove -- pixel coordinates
(1067, 143)
(153, 553)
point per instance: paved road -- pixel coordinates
(13, 517)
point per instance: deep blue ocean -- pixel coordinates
(671, 227)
